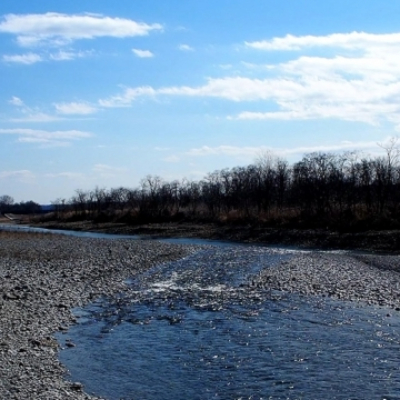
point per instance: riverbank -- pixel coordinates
(380, 241)
(43, 277)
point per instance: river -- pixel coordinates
(197, 328)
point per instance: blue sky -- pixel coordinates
(103, 93)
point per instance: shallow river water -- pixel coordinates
(198, 328)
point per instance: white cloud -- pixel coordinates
(48, 138)
(67, 175)
(252, 152)
(235, 89)
(63, 55)
(105, 167)
(377, 67)
(126, 98)
(28, 58)
(74, 108)
(143, 53)
(29, 115)
(356, 112)
(339, 147)
(359, 82)
(32, 58)
(16, 101)
(185, 47)
(205, 151)
(35, 116)
(57, 29)
(23, 175)
(353, 40)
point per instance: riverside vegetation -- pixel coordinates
(329, 200)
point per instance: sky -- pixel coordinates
(101, 93)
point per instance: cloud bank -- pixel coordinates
(60, 29)
(48, 138)
(345, 76)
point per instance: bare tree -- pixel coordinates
(6, 202)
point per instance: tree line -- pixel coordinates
(322, 190)
(8, 205)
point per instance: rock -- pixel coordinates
(11, 296)
(62, 328)
(76, 386)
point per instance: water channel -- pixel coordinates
(197, 329)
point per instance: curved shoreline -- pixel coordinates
(43, 277)
(379, 241)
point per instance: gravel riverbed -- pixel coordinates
(366, 278)
(42, 277)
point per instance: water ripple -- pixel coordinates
(192, 329)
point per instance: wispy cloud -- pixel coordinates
(28, 58)
(252, 152)
(353, 40)
(16, 101)
(127, 97)
(23, 175)
(35, 116)
(59, 29)
(185, 47)
(230, 88)
(143, 53)
(77, 108)
(206, 151)
(63, 55)
(29, 114)
(352, 77)
(33, 58)
(66, 175)
(48, 138)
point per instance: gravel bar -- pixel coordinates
(42, 277)
(366, 278)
